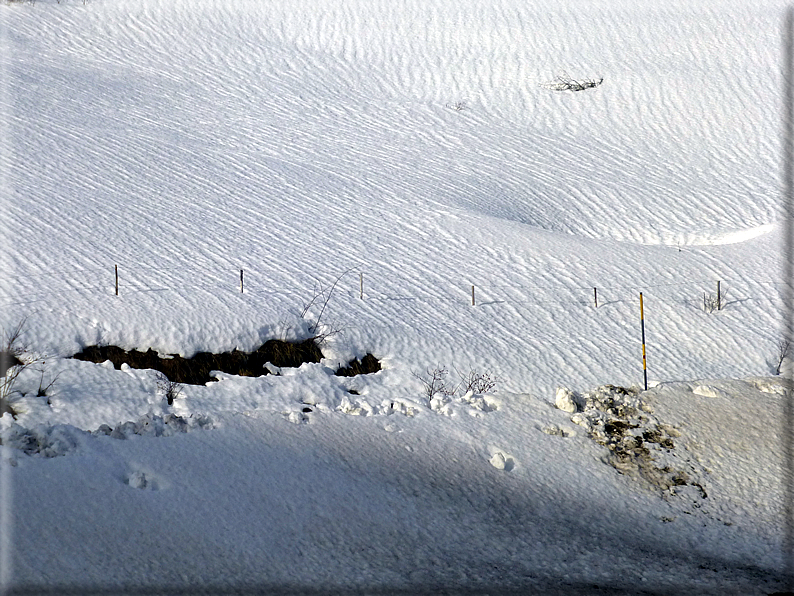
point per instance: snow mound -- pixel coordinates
(708, 391)
(156, 426)
(42, 440)
(62, 439)
(566, 400)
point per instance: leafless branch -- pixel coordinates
(43, 390)
(458, 106)
(783, 349)
(565, 82)
(171, 389)
(712, 302)
(13, 362)
(434, 382)
(322, 296)
(476, 382)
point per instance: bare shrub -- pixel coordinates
(476, 382)
(783, 349)
(13, 362)
(319, 301)
(435, 382)
(15, 358)
(458, 106)
(565, 82)
(712, 302)
(171, 389)
(45, 387)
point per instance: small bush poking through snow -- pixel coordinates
(565, 82)
(435, 382)
(319, 302)
(783, 349)
(14, 359)
(458, 106)
(712, 302)
(436, 385)
(45, 383)
(477, 382)
(171, 389)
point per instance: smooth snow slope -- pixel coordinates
(185, 141)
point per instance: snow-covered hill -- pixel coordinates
(414, 154)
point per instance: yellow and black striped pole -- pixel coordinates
(644, 365)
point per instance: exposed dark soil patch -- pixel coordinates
(5, 408)
(368, 364)
(8, 360)
(639, 445)
(196, 370)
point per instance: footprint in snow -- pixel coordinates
(144, 480)
(557, 431)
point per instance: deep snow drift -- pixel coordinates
(414, 155)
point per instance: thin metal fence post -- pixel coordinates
(644, 361)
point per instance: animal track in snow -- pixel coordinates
(145, 480)
(554, 430)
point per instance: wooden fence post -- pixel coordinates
(472, 295)
(241, 281)
(595, 296)
(719, 297)
(117, 279)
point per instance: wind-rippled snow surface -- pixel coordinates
(186, 141)
(475, 216)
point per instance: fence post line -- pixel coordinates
(595, 296)
(644, 363)
(116, 267)
(361, 286)
(719, 299)
(472, 295)
(241, 281)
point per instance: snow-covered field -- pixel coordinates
(408, 151)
